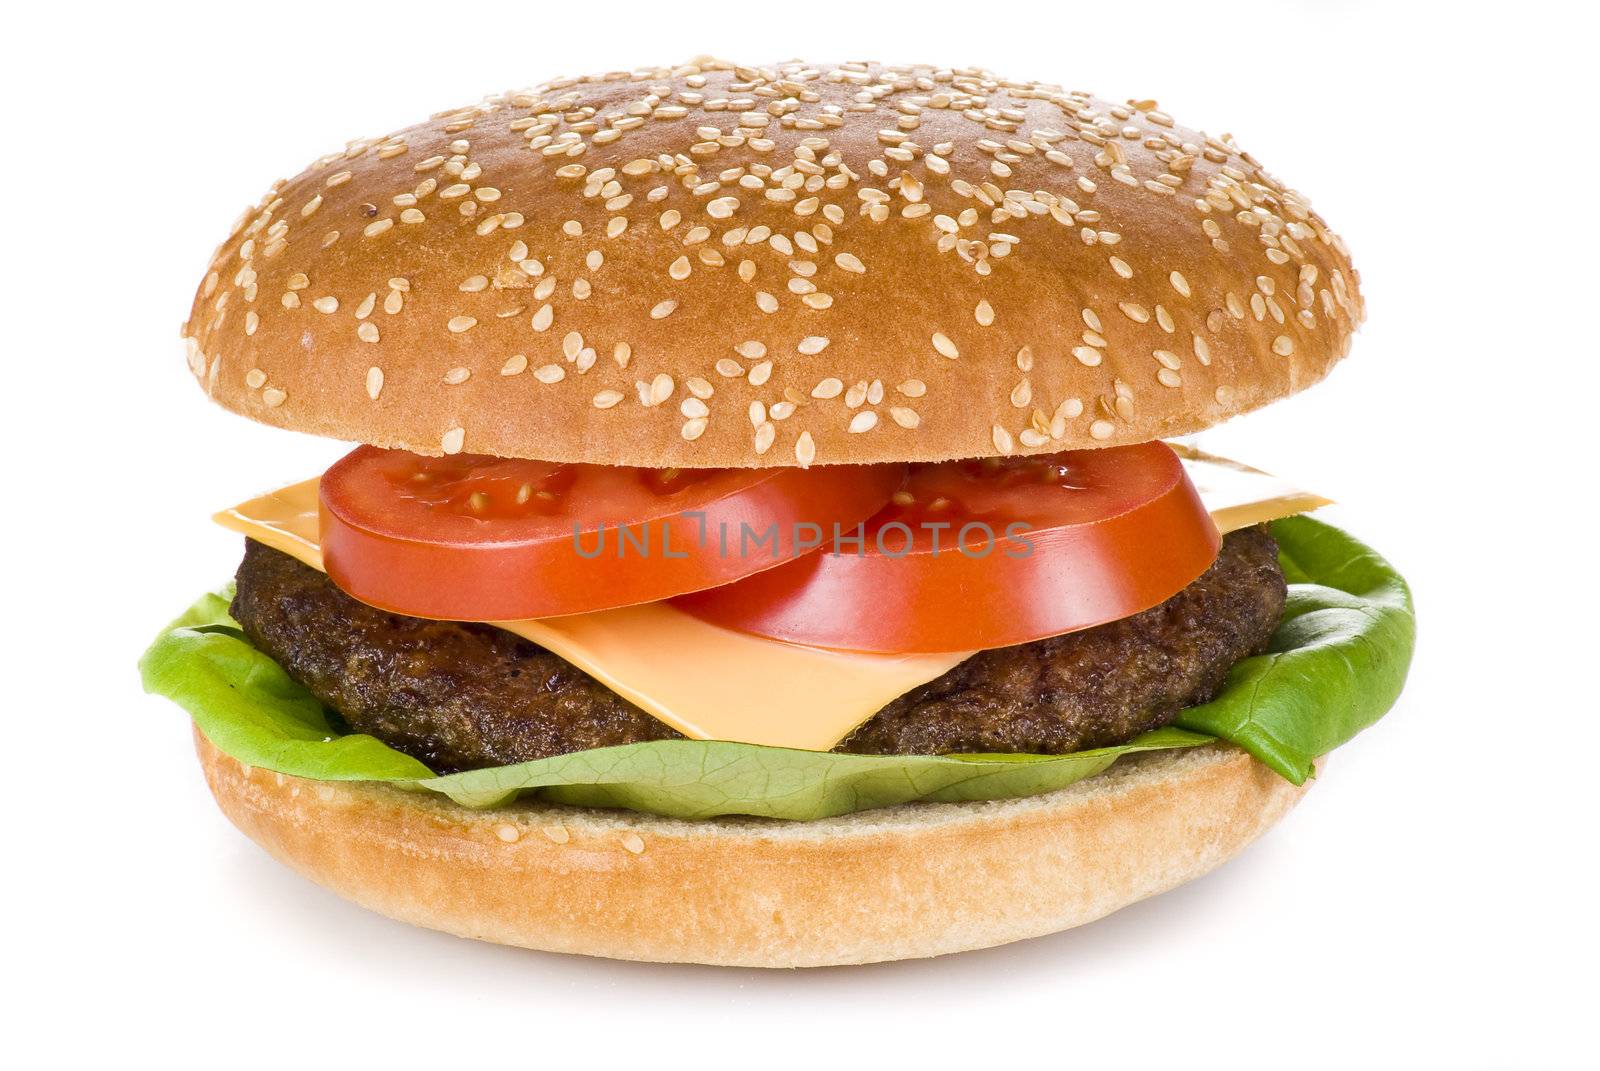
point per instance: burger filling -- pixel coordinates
(461, 696)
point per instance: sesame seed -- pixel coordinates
(765, 434)
(1283, 345)
(633, 842)
(1087, 355)
(515, 365)
(367, 332)
(663, 309)
(456, 376)
(944, 346)
(507, 833)
(812, 345)
(850, 262)
(1101, 429)
(906, 418)
(550, 373)
(984, 314)
(326, 304)
(452, 440)
(1002, 439)
(660, 388)
(828, 388)
(255, 379)
(557, 834)
(458, 324)
(805, 449)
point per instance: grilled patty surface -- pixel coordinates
(463, 696)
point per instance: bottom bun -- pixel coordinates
(898, 883)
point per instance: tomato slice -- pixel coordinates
(475, 538)
(989, 553)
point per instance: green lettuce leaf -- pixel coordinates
(701, 778)
(1336, 664)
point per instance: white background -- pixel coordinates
(1431, 903)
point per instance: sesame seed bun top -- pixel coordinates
(737, 266)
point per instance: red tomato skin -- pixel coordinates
(1076, 576)
(475, 576)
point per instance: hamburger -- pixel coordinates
(763, 543)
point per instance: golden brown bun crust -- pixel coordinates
(718, 266)
(898, 883)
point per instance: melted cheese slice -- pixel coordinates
(711, 683)
(1238, 496)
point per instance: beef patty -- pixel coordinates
(462, 696)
